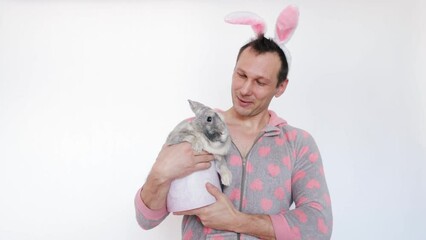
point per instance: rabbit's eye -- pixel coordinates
(209, 119)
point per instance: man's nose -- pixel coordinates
(246, 89)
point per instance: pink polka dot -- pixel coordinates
(207, 230)
(322, 227)
(299, 175)
(218, 238)
(287, 162)
(327, 199)
(188, 235)
(274, 170)
(266, 204)
(313, 184)
(294, 154)
(279, 193)
(235, 194)
(301, 215)
(321, 171)
(291, 136)
(296, 233)
(244, 202)
(303, 151)
(287, 185)
(236, 161)
(249, 167)
(301, 201)
(264, 151)
(313, 157)
(315, 205)
(279, 141)
(256, 185)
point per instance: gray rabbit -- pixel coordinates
(208, 132)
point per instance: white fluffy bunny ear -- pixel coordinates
(247, 18)
(195, 106)
(286, 24)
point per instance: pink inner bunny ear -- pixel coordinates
(247, 18)
(286, 23)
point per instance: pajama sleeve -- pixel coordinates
(312, 216)
(146, 217)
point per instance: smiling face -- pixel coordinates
(254, 82)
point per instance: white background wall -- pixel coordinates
(90, 89)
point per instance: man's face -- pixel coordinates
(254, 82)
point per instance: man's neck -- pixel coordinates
(251, 123)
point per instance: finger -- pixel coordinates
(214, 191)
(189, 212)
(202, 153)
(202, 166)
(204, 158)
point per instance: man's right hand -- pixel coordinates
(173, 161)
(179, 160)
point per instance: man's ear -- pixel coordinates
(281, 88)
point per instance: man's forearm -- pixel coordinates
(256, 225)
(154, 192)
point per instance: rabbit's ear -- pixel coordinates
(286, 24)
(195, 106)
(247, 18)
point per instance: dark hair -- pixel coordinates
(264, 45)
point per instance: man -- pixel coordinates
(273, 165)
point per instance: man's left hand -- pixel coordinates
(220, 215)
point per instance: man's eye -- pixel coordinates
(242, 75)
(261, 83)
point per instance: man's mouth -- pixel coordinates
(243, 102)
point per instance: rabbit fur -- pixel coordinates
(208, 132)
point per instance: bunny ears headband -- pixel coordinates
(286, 25)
